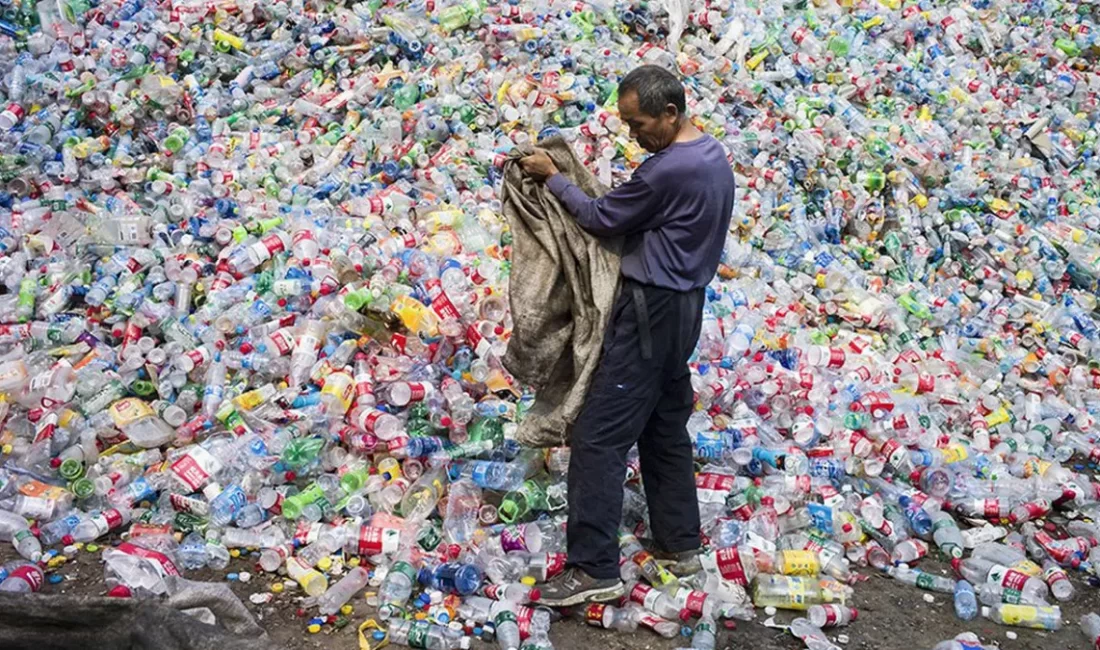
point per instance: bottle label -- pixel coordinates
(377, 541)
(308, 343)
(29, 574)
(417, 391)
(161, 562)
(19, 535)
(368, 418)
(799, 563)
(195, 468)
(641, 594)
(1011, 596)
(826, 554)
(37, 508)
(441, 302)
(419, 634)
(112, 518)
(593, 614)
(691, 600)
(273, 243)
(504, 616)
(1022, 615)
(713, 488)
(234, 498)
(890, 447)
(363, 385)
(341, 387)
(405, 569)
(480, 345)
(651, 598)
(36, 488)
(181, 503)
(555, 564)
(513, 538)
(650, 621)
(925, 580)
(832, 615)
(127, 411)
(480, 475)
(399, 342)
(796, 595)
(198, 356)
(301, 236)
(42, 381)
(728, 563)
(307, 532)
(300, 571)
(45, 428)
(1054, 574)
(1027, 567)
(1007, 578)
(283, 340)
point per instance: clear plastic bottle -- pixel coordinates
(312, 581)
(966, 602)
(1039, 618)
(1060, 586)
(397, 587)
(832, 615)
(25, 578)
(421, 634)
(1090, 627)
(507, 629)
(99, 524)
(340, 593)
(704, 636)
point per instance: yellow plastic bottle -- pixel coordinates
(309, 579)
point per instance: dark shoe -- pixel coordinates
(682, 564)
(575, 587)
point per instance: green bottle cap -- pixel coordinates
(71, 469)
(82, 488)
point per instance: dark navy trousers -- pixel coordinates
(641, 393)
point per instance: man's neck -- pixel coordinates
(687, 132)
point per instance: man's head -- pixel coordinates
(651, 103)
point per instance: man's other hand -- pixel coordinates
(538, 165)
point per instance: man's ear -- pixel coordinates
(672, 112)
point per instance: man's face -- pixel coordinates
(652, 132)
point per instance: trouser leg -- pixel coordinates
(623, 392)
(668, 469)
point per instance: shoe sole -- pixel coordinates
(591, 595)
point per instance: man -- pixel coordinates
(674, 214)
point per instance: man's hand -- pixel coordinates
(538, 165)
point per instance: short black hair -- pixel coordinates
(656, 89)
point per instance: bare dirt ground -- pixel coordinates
(893, 616)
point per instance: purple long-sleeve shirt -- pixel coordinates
(674, 214)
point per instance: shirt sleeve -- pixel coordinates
(624, 210)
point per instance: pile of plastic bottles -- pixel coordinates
(255, 277)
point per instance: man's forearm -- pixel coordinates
(618, 212)
(579, 204)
